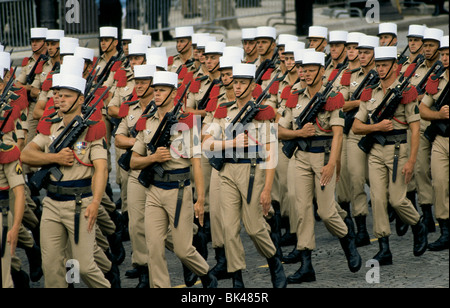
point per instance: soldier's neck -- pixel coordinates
(314, 89)
(431, 62)
(387, 82)
(67, 118)
(368, 68)
(353, 64)
(109, 54)
(144, 101)
(186, 55)
(240, 102)
(251, 58)
(230, 94)
(292, 76)
(267, 56)
(214, 75)
(413, 56)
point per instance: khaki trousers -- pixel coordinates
(382, 189)
(280, 182)
(343, 192)
(308, 167)
(5, 262)
(234, 181)
(358, 176)
(136, 213)
(215, 211)
(57, 231)
(159, 216)
(422, 172)
(440, 173)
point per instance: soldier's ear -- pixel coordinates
(81, 99)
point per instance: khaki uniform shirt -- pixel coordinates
(26, 69)
(84, 151)
(429, 99)
(40, 78)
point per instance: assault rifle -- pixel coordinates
(8, 87)
(437, 69)
(125, 158)
(161, 138)
(386, 110)
(32, 74)
(66, 139)
(240, 121)
(371, 79)
(107, 69)
(440, 127)
(205, 99)
(263, 67)
(309, 115)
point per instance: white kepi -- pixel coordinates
(146, 71)
(244, 70)
(167, 79)
(312, 57)
(385, 53)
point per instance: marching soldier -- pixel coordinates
(390, 166)
(249, 45)
(431, 111)
(317, 38)
(71, 205)
(245, 187)
(125, 139)
(265, 46)
(338, 53)
(415, 44)
(387, 33)
(356, 158)
(184, 58)
(127, 36)
(316, 168)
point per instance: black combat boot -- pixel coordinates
(220, 269)
(288, 238)
(209, 281)
(293, 257)
(306, 271)
(362, 237)
(35, 262)
(427, 216)
(189, 277)
(351, 253)
(420, 238)
(238, 282)
(443, 241)
(144, 280)
(348, 219)
(384, 256)
(277, 272)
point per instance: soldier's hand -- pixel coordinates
(162, 155)
(327, 173)
(307, 131)
(91, 215)
(241, 141)
(385, 126)
(444, 112)
(199, 211)
(65, 157)
(266, 201)
(407, 171)
(12, 239)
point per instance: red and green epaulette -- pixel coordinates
(196, 84)
(222, 110)
(334, 101)
(293, 98)
(347, 75)
(366, 94)
(125, 107)
(8, 153)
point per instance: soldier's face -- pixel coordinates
(56, 99)
(317, 43)
(38, 45)
(388, 40)
(183, 44)
(289, 60)
(444, 57)
(67, 98)
(337, 51)
(281, 53)
(249, 47)
(386, 68)
(136, 60)
(52, 48)
(430, 48)
(352, 52)
(125, 47)
(212, 62)
(301, 73)
(162, 93)
(312, 74)
(227, 77)
(414, 44)
(264, 46)
(107, 44)
(143, 88)
(365, 56)
(243, 87)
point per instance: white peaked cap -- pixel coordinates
(184, 32)
(269, 32)
(127, 34)
(312, 57)
(168, 79)
(72, 82)
(159, 61)
(298, 55)
(354, 37)
(232, 51)
(38, 33)
(317, 32)
(248, 34)
(146, 71)
(203, 40)
(137, 49)
(56, 81)
(387, 28)
(85, 53)
(385, 53)
(433, 34)
(284, 38)
(416, 31)
(196, 36)
(444, 42)
(338, 37)
(154, 51)
(5, 60)
(142, 39)
(369, 42)
(72, 65)
(67, 45)
(244, 70)
(228, 62)
(109, 32)
(292, 46)
(54, 35)
(214, 47)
